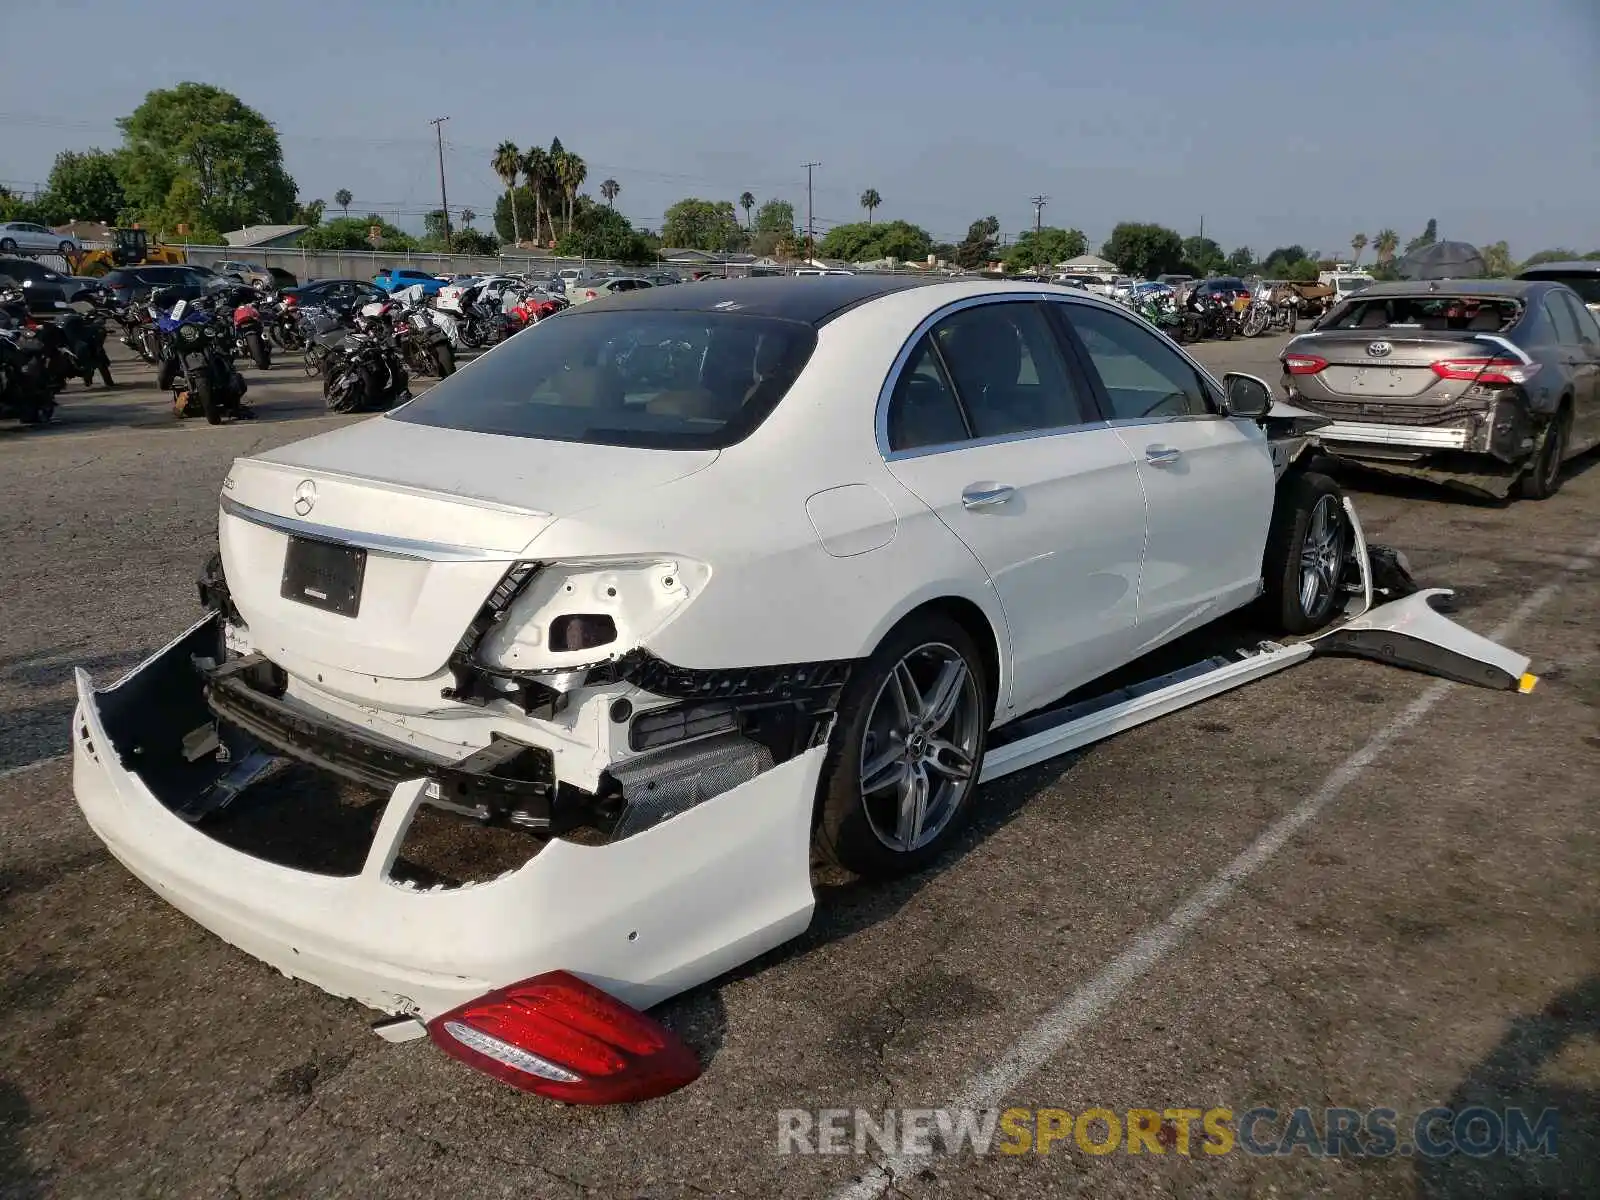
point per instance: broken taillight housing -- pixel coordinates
(582, 631)
(1486, 370)
(561, 1037)
(1303, 364)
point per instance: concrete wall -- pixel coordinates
(350, 264)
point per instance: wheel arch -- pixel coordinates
(992, 639)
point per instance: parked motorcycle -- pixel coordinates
(362, 370)
(26, 390)
(249, 331)
(197, 363)
(423, 345)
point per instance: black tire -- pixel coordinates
(209, 404)
(67, 249)
(444, 360)
(1543, 476)
(1290, 539)
(259, 353)
(150, 346)
(105, 371)
(844, 827)
(8, 245)
(167, 374)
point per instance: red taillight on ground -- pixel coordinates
(566, 1039)
(588, 295)
(290, 301)
(1486, 370)
(1303, 364)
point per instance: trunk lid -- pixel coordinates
(438, 516)
(1393, 364)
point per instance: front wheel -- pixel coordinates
(206, 394)
(1307, 543)
(259, 354)
(907, 747)
(444, 360)
(1255, 321)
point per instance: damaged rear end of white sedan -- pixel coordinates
(520, 709)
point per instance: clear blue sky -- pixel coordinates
(1277, 121)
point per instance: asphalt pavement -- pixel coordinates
(1344, 886)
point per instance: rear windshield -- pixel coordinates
(1586, 285)
(1476, 314)
(626, 377)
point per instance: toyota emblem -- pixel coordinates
(305, 497)
(1379, 349)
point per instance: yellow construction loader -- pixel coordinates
(129, 247)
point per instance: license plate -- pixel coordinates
(324, 575)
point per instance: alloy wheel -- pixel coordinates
(919, 752)
(1321, 556)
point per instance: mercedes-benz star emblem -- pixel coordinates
(305, 497)
(1379, 349)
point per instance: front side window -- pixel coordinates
(1588, 332)
(665, 380)
(1008, 371)
(1143, 377)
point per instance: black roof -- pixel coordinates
(1515, 289)
(812, 299)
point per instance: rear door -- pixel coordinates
(1208, 479)
(991, 426)
(1580, 353)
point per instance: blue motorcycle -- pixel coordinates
(196, 362)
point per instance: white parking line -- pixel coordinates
(33, 766)
(1081, 1007)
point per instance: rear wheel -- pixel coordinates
(206, 394)
(259, 354)
(8, 245)
(907, 746)
(444, 360)
(66, 248)
(1307, 543)
(1543, 477)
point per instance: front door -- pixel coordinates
(990, 427)
(1207, 478)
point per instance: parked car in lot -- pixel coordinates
(392, 279)
(46, 290)
(1344, 283)
(1582, 276)
(594, 289)
(334, 293)
(1487, 384)
(254, 274)
(132, 285)
(676, 584)
(28, 238)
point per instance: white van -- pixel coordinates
(1345, 283)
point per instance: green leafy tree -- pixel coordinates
(1277, 263)
(1241, 262)
(1497, 262)
(507, 165)
(1358, 244)
(509, 220)
(775, 216)
(943, 252)
(1427, 237)
(870, 200)
(1143, 249)
(1303, 271)
(310, 213)
(862, 241)
(600, 231)
(474, 241)
(350, 233)
(611, 189)
(1546, 256)
(747, 201)
(1203, 256)
(84, 187)
(225, 153)
(981, 245)
(1044, 248)
(342, 198)
(696, 224)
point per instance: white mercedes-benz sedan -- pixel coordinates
(679, 584)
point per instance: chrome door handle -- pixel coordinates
(986, 497)
(1161, 456)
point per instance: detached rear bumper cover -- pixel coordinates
(642, 918)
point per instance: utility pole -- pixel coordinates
(811, 247)
(1038, 203)
(444, 201)
(1202, 227)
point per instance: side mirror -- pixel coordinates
(1247, 396)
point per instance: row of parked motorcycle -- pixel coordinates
(365, 351)
(1203, 314)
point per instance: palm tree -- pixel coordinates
(342, 198)
(536, 166)
(609, 190)
(747, 201)
(571, 171)
(468, 217)
(869, 201)
(1358, 244)
(1386, 243)
(507, 163)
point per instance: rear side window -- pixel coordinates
(665, 380)
(924, 411)
(1008, 372)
